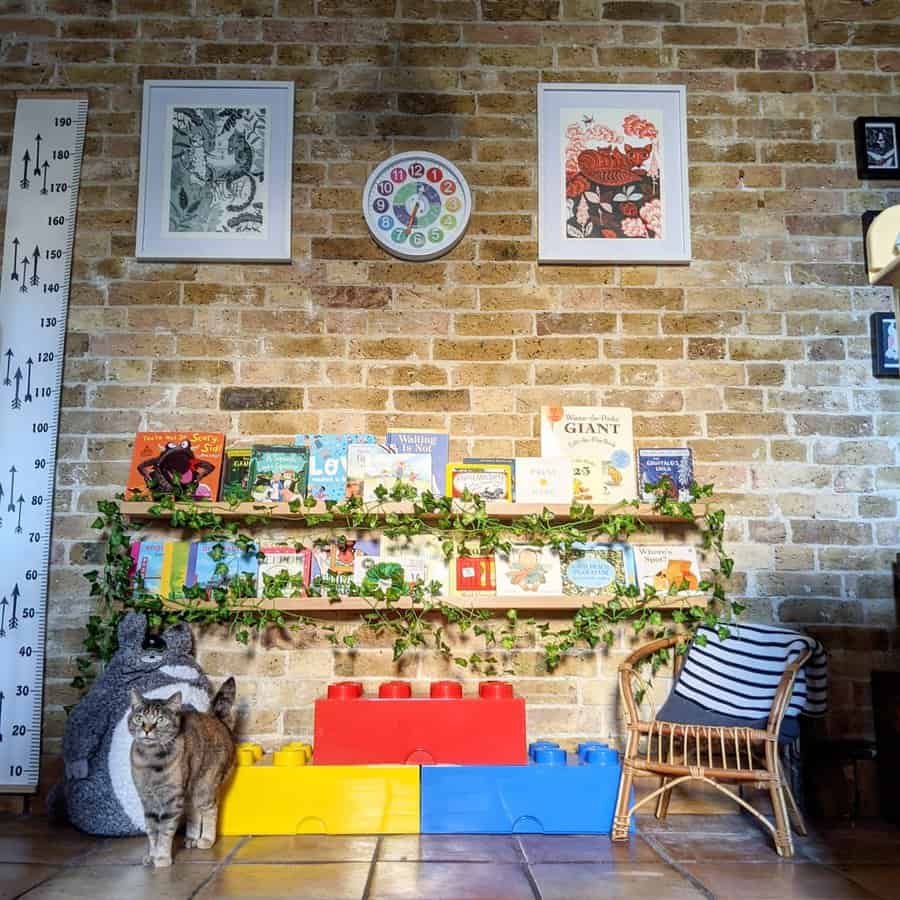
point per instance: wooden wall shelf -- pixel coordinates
(280, 512)
(545, 603)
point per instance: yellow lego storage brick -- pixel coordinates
(279, 793)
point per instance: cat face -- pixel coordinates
(154, 722)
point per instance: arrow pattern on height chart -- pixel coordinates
(34, 269)
(12, 488)
(14, 618)
(24, 183)
(45, 166)
(20, 501)
(28, 398)
(37, 154)
(17, 401)
(3, 604)
(25, 263)
(9, 355)
(14, 275)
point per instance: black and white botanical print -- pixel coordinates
(881, 145)
(217, 170)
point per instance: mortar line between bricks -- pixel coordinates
(664, 855)
(219, 866)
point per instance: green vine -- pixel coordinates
(462, 528)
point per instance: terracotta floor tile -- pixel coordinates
(449, 881)
(498, 848)
(16, 878)
(867, 843)
(130, 851)
(309, 881)
(778, 881)
(754, 845)
(612, 881)
(123, 883)
(881, 881)
(586, 848)
(65, 847)
(307, 848)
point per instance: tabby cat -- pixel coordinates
(179, 760)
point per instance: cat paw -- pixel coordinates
(147, 860)
(162, 862)
(205, 843)
(190, 843)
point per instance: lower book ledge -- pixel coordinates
(542, 602)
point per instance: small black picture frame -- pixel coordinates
(885, 363)
(877, 147)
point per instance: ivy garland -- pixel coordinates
(463, 528)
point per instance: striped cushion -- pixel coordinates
(737, 677)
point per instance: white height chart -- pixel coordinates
(44, 168)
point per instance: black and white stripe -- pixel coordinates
(738, 676)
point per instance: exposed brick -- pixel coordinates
(244, 398)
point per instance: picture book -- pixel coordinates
(385, 470)
(278, 474)
(543, 479)
(148, 559)
(333, 564)
(209, 572)
(528, 570)
(675, 462)
(174, 574)
(236, 477)
(414, 569)
(488, 481)
(416, 551)
(328, 462)
(473, 576)
(434, 443)
(497, 461)
(180, 462)
(358, 456)
(592, 568)
(600, 443)
(280, 559)
(667, 568)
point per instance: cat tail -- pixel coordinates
(222, 706)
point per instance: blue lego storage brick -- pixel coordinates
(556, 793)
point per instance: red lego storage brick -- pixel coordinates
(443, 728)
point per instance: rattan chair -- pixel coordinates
(676, 753)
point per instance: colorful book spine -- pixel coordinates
(236, 474)
(175, 569)
(328, 462)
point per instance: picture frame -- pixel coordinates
(215, 171)
(877, 140)
(885, 362)
(613, 174)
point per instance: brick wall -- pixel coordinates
(757, 355)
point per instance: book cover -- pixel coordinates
(473, 577)
(489, 481)
(328, 462)
(174, 575)
(358, 456)
(675, 462)
(164, 462)
(667, 568)
(149, 559)
(210, 573)
(278, 474)
(497, 461)
(281, 559)
(334, 564)
(421, 554)
(236, 474)
(543, 479)
(528, 570)
(423, 440)
(414, 568)
(385, 470)
(592, 568)
(600, 442)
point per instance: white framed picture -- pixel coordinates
(215, 180)
(612, 174)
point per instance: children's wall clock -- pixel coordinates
(417, 205)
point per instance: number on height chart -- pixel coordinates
(48, 322)
(62, 121)
(56, 220)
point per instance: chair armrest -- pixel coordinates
(626, 670)
(784, 691)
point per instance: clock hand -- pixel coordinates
(412, 217)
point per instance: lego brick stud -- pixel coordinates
(395, 690)
(446, 690)
(495, 690)
(345, 690)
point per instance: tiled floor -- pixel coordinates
(685, 857)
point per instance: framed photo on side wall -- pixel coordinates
(877, 141)
(215, 180)
(612, 170)
(885, 359)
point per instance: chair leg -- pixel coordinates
(621, 817)
(796, 817)
(784, 843)
(662, 803)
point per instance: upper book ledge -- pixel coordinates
(499, 510)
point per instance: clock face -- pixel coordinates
(417, 205)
